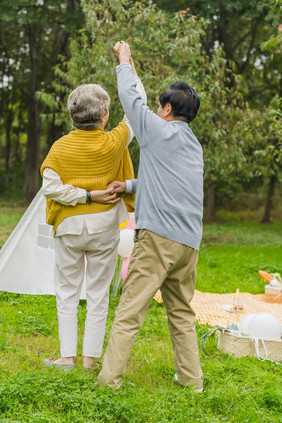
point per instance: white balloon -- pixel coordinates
(126, 242)
(265, 326)
(245, 323)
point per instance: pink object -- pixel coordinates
(131, 223)
(124, 268)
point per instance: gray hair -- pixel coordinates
(87, 105)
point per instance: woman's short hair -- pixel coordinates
(183, 99)
(87, 105)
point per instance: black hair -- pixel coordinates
(183, 99)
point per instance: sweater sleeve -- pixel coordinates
(146, 124)
(119, 136)
(65, 194)
(49, 162)
(142, 92)
(131, 185)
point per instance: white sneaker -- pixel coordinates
(196, 390)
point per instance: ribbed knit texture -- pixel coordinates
(89, 160)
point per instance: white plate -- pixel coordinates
(229, 307)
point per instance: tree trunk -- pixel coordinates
(54, 132)
(8, 127)
(18, 155)
(269, 198)
(211, 201)
(8, 145)
(34, 123)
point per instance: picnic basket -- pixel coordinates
(241, 346)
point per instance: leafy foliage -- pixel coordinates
(229, 51)
(168, 50)
(33, 34)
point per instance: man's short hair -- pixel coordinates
(87, 105)
(183, 99)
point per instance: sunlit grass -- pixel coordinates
(236, 390)
(239, 390)
(9, 218)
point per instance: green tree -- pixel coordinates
(33, 34)
(273, 149)
(239, 28)
(250, 36)
(165, 48)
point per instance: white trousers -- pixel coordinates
(100, 252)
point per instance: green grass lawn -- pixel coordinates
(232, 253)
(236, 390)
(8, 220)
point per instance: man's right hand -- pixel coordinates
(117, 187)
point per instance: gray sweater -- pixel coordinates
(169, 188)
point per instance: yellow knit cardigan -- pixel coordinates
(89, 160)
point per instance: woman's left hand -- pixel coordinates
(104, 196)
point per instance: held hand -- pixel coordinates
(124, 56)
(117, 187)
(122, 51)
(117, 47)
(107, 196)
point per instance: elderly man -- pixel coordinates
(169, 205)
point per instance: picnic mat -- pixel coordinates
(208, 307)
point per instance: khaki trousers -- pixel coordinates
(156, 263)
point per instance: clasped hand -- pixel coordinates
(123, 53)
(111, 195)
(107, 196)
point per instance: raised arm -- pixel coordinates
(144, 122)
(139, 87)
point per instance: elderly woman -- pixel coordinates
(86, 217)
